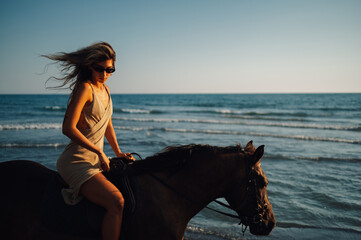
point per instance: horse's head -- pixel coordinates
(249, 196)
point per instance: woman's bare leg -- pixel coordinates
(102, 192)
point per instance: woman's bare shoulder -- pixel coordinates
(84, 86)
(83, 91)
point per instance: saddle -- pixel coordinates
(85, 218)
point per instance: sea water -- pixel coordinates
(312, 155)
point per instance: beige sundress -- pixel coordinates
(77, 164)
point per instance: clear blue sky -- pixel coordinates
(190, 46)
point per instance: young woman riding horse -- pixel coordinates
(87, 120)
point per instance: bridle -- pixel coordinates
(251, 185)
(259, 209)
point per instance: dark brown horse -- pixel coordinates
(168, 198)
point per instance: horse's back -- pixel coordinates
(26, 176)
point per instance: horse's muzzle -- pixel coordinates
(262, 228)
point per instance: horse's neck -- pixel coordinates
(173, 201)
(205, 179)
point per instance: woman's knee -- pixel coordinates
(117, 203)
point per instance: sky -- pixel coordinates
(189, 46)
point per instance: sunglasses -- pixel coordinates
(100, 69)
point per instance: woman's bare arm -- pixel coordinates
(112, 139)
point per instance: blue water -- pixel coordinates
(312, 155)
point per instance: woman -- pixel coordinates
(87, 120)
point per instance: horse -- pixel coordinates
(168, 196)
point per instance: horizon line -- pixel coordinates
(210, 93)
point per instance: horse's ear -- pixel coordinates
(249, 146)
(257, 155)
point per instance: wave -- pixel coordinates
(171, 120)
(235, 112)
(332, 109)
(311, 126)
(136, 129)
(30, 126)
(25, 145)
(297, 137)
(272, 124)
(302, 125)
(118, 110)
(269, 115)
(304, 226)
(225, 132)
(315, 159)
(55, 108)
(195, 232)
(137, 111)
(288, 114)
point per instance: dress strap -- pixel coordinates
(92, 89)
(106, 89)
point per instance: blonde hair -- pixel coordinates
(74, 66)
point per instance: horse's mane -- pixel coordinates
(174, 157)
(185, 151)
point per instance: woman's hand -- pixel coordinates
(104, 161)
(126, 155)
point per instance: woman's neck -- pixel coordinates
(98, 85)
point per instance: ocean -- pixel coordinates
(312, 149)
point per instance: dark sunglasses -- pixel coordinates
(100, 69)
